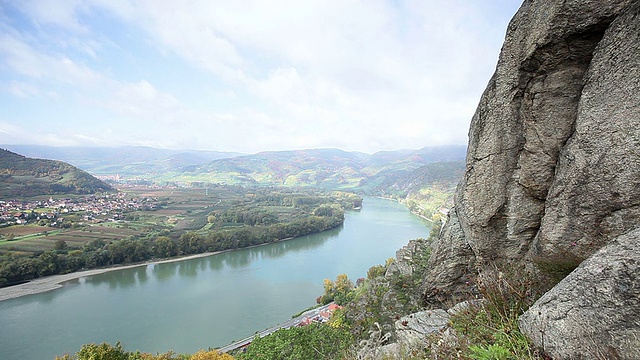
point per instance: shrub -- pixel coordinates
(490, 327)
(315, 341)
(491, 352)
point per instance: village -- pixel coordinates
(63, 213)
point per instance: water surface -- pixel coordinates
(207, 302)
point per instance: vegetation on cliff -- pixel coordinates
(106, 351)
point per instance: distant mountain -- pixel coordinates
(332, 168)
(124, 160)
(21, 176)
(385, 172)
(425, 155)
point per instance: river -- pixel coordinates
(206, 302)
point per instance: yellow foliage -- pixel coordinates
(210, 355)
(389, 262)
(328, 286)
(343, 283)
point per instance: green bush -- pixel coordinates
(491, 352)
(315, 341)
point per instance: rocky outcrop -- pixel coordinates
(552, 165)
(450, 265)
(413, 329)
(595, 195)
(594, 312)
(412, 333)
(553, 176)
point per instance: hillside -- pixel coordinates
(21, 176)
(125, 160)
(332, 169)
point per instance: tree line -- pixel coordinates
(98, 253)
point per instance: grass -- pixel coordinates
(488, 330)
(46, 239)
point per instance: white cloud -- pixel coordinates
(23, 89)
(261, 75)
(26, 60)
(60, 13)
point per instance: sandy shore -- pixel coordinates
(49, 283)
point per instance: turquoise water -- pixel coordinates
(207, 302)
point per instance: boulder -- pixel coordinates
(594, 313)
(412, 330)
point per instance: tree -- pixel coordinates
(343, 287)
(210, 355)
(60, 245)
(102, 351)
(165, 247)
(340, 291)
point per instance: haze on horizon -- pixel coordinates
(246, 76)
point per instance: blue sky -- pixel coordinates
(246, 76)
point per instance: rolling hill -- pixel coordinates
(333, 169)
(21, 176)
(125, 160)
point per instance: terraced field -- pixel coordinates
(47, 238)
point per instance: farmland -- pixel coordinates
(143, 223)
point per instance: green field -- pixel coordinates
(183, 209)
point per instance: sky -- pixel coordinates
(246, 76)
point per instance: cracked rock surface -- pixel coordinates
(593, 312)
(553, 166)
(553, 177)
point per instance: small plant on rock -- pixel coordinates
(491, 326)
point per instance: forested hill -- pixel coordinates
(332, 168)
(395, 171)
(21, 176)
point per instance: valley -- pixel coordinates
(239, 202)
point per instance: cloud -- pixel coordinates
(258, 75)
(26, 60)
(59, 13)
(23, 89)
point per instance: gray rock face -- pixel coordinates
(412, 330)
(525, 117)
(595, 195)
(553, 160)
(404, 264)
(594, 313)
(451, 261)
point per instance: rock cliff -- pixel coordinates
(553, 163)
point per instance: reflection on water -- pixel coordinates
(163, 273)
(188, 268)
(237, 259)
(149, 307)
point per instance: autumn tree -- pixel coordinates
(339, 291)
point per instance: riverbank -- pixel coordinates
(48, 283)
(53, 282)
